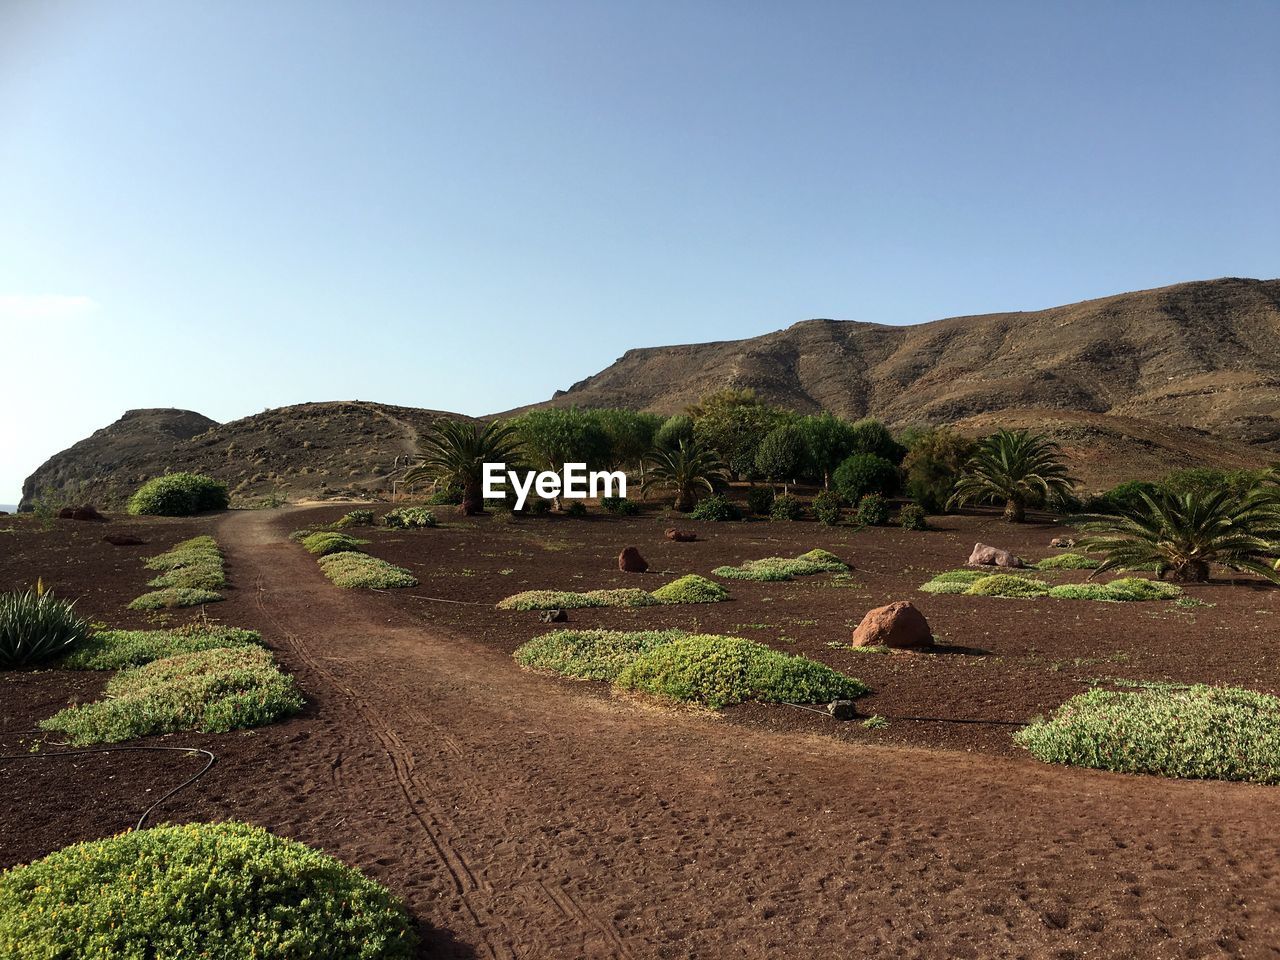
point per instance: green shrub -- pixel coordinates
(36, 626)
(116, 649)
(205, 575)
(537, 506)
(720, 671)
(410, 518)
(590, 654)
(966, 577)
(570, 600)
(716, 507)
(826, 507)
(620, 506)
(359, 570)
(193, 552)
(356, 518)
(1068, 561)
(873, 510)
(786, 507)
(299, 535)
(213, 691)
(1137, 588)
(760, 500)
(324, 542)
(1219, 733)
(691, 588)
(179, 495)
(575, 508)
(944, 586)
(173, 598)
(774, 569)
(1009, 586)
(213, 890)
(864, 473)
(911, 517)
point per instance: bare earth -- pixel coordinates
(522, 816)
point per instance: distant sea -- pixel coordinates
(11, 507)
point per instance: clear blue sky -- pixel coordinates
(231, 205)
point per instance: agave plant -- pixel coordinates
(1183, 534)
(36, 626)
(1015, 466)
(688, 469)
(456, 453)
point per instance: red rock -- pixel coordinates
(680, 536)
(985, 556)
(630, 561)
(899, 626)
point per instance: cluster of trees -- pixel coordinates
(1179, 527)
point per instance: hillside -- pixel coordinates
(305, 450)
(1202, 355)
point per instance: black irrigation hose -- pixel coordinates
(91, 750)
(999, 723)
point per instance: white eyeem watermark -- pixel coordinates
(573, 482)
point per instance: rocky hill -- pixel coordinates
(1202, 355)
(1132, 386)
(311, 449)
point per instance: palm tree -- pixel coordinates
(1182, 534)
(687, 469)
(1015, 466)
(456, 453)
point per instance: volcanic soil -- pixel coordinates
(522, 815)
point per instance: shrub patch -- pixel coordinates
(591, 654)
(773, 569)
(116, 649)
(353, 570)
(200, 889)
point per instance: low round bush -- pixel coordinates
(174, 598)
(573, 600)
(760, 500)
(1219, 733)
(201, 890)
(620, 506)
(864, 473)
(356, 518)
(590, 654)
(351, 570)
(912, 517)
(1008, 585)
(716, 507)
(1068, 561)
(116, 649)
(691, 588)
(786, 507)
(575, 508)
(179, 495)
(410, 518)
(826, 507)
(873, 510)
(324, 542)
(36, 626)
(720, 671)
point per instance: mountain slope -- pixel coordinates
(1204, 355)
(301, 450)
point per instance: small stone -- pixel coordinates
(630, 561)
(1062, 543)
(842, 709)
(680, 536)
(554, 616)
(985, 556)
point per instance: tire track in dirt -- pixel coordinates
(476, 895)
(464, 879)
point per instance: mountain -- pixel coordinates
(1132, 386)
(304, 450)
(1202, 355)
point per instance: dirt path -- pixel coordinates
(533, 818)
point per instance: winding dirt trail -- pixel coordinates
(532, 818)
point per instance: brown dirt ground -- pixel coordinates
(525, 816)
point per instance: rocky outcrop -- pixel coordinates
(898, 626)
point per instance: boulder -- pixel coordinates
(554, 616)
(842, 709)
(122, 540)
(985, 556)
(85, 512)
(630, 561)
(1062, 543)
(899, 626)
(680, 536)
